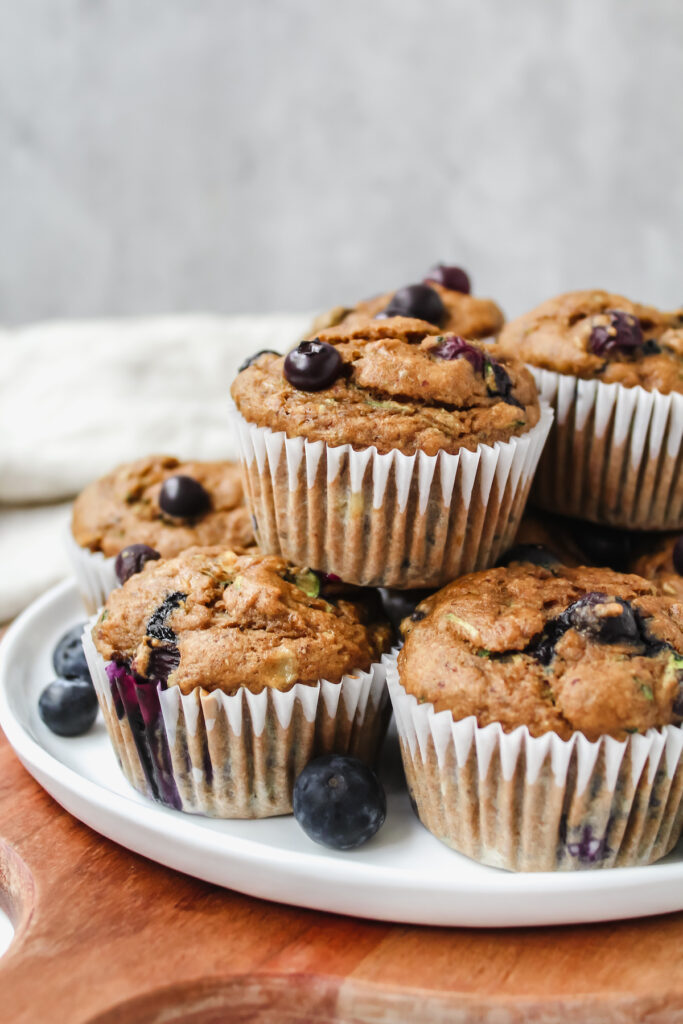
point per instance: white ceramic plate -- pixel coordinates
(403, 874)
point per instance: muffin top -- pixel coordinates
(660, 560)
(392, 383)
(123, 508)
(572, 650)
(443, 299)
(218, 620)
(594, 334)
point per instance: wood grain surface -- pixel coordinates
(105, 936)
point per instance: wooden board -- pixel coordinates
(105, 936)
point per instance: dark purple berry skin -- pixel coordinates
(454, 347)
(339, 802)
(533, 554)
(453, 278)
(68, 707)
(417, 301)
(68, 657)
(313, 366)
(678, 555)
(132, 560)
(603, 545)
(252, 359)
(622, 334)
(183, 497)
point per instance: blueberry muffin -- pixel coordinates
(659, 559)
(220, 675)
(539, 711)
(154, 507)
(614, 371)
(387, 453)
(443, 299)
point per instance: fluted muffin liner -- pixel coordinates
(386, 519)
(94, 572)
(614, 454)
(234, 756)
(525, 803)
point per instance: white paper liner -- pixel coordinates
(94, 572)
(529, 803)
(614, 453)
(386, 520)
(239, 756)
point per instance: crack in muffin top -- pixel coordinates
(559, 649)
(219, 620)
(402, 384)
(596, 334)
(122, 508)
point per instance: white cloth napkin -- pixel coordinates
(78, 398)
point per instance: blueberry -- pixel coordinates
(678, 555)
(607, 629)
(183, 497)
(68, 657)
(603, 545)
(399, 604)
(252, 359)
(534, 554)
(312, 366)
(453, 278)
(68, 706)
(418, 301)
(132, 560)
(453, 347)
(498, 381)
(156, 626)
(651, 347)
(622, 334)
(339, 802)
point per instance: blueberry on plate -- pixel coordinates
(68, 706)
(132, 560)
(184, 497)
(339, 802)
(68, 657)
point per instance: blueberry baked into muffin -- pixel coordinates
(154, 507)
(613, 369)
(220, 675)
(539, 712)
(443, 299)
(388, 452)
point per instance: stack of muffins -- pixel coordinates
(538, 696)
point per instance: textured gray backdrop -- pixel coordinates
(253, 155)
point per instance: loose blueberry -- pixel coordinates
(68, 706)
(623, 334)
(399, 604)
(418, 301)
(252, 359)
(339, 802)
(603, 545)
(183, 497)
(453, 347)
(312, 366)
(132, 559)
(68, 657)
(453, 278)
(678, 555)
(534, 554)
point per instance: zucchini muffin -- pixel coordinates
(221, 675)
(388, 453)
(157, 502)
(613, 369)
(539, 711)
(443, 299)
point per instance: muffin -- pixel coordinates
(659, 559)
(539, 715)
(613, 370)
(159, 502)
(544, 538)
(387, 453)
(443, 299)
(221, 675)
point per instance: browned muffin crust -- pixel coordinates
(122, 508)
(556, 336)
(501, 645)
(466, 315)
(238, 620)
(395, 391)
(654, 561)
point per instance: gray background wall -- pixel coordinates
(253, 155)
